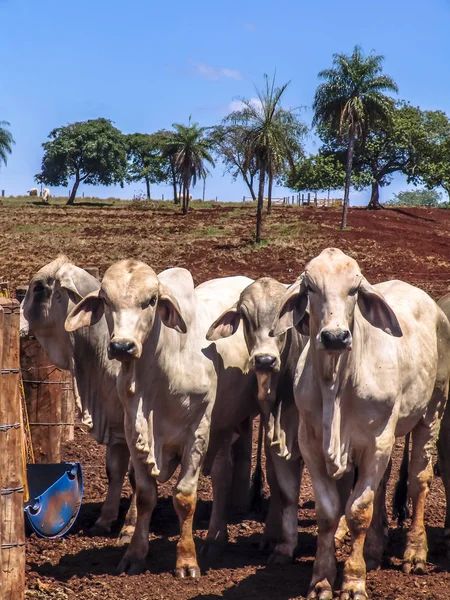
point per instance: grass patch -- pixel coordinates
(211, 231)
(261, 244)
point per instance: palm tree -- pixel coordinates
(6, 142)
(351, 100)
(190, 148)
(273, 136)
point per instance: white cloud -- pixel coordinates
(249, 27)
(215, 73)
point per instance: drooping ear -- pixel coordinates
(67, 282)
(303, 325)
(86, 313)
(225, 325)
(170, 313)
(375, 309)
(292, 308)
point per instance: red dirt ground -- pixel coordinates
(409, 244)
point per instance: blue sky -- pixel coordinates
(146, 64)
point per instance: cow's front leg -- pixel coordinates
(241, 452)
(328, 510)
(133, 561)
(420, 477)
(184, 501)
(126, 533)
(444, 469)
(117, 460)
(284, 477)
(358, 515)
(221, 479)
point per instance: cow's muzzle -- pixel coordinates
(336, 340)
(123, 350)
(265, 361)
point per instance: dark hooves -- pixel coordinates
(191, 572)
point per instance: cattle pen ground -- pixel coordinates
(409, 244)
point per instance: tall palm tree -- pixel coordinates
(6, 142)
(273, 134)
(351, 100)
(191, 148)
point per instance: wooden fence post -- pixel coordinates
(49, 397)
(12, 467)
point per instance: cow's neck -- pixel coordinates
(330, 371)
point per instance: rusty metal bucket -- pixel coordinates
(56, 491)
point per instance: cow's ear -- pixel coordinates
(170, 312)
(67, 282)
(375, 309)
(225, 325)
(292, 308)
(303, 325)
(86, 313)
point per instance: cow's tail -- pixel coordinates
(256, 488)
(400, 509)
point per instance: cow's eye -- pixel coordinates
(309, 289)
(353, 292)
(150, 302)
(39, 287)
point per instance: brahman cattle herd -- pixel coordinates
(167, 374)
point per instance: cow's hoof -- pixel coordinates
(353, 596)
(276, 558)
(99, 530)
(417, 567)
(322, 595)
(321, 591)
(191, 572)
(131, 566)
(124, 537)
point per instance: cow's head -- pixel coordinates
(334, 286)
(134, 301)
(257, 308)
(52, 293)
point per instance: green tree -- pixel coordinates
(6, 142)
(350, 101)
(389, 148)
(272, 136)
(429, 198)
(190, 148)
(317, 173)
(431, 164)
(92, 152)
(145, 159)
(231, 145)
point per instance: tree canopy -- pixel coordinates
(350, 101)
(6, 142)
(92, 152)
(321, 172)
(146, 161)
(272, 137)
(429, 198)
(190, 148)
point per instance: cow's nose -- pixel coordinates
(265, 361)
(118, 349)
(336, 341)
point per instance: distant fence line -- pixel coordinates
(301, 200)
